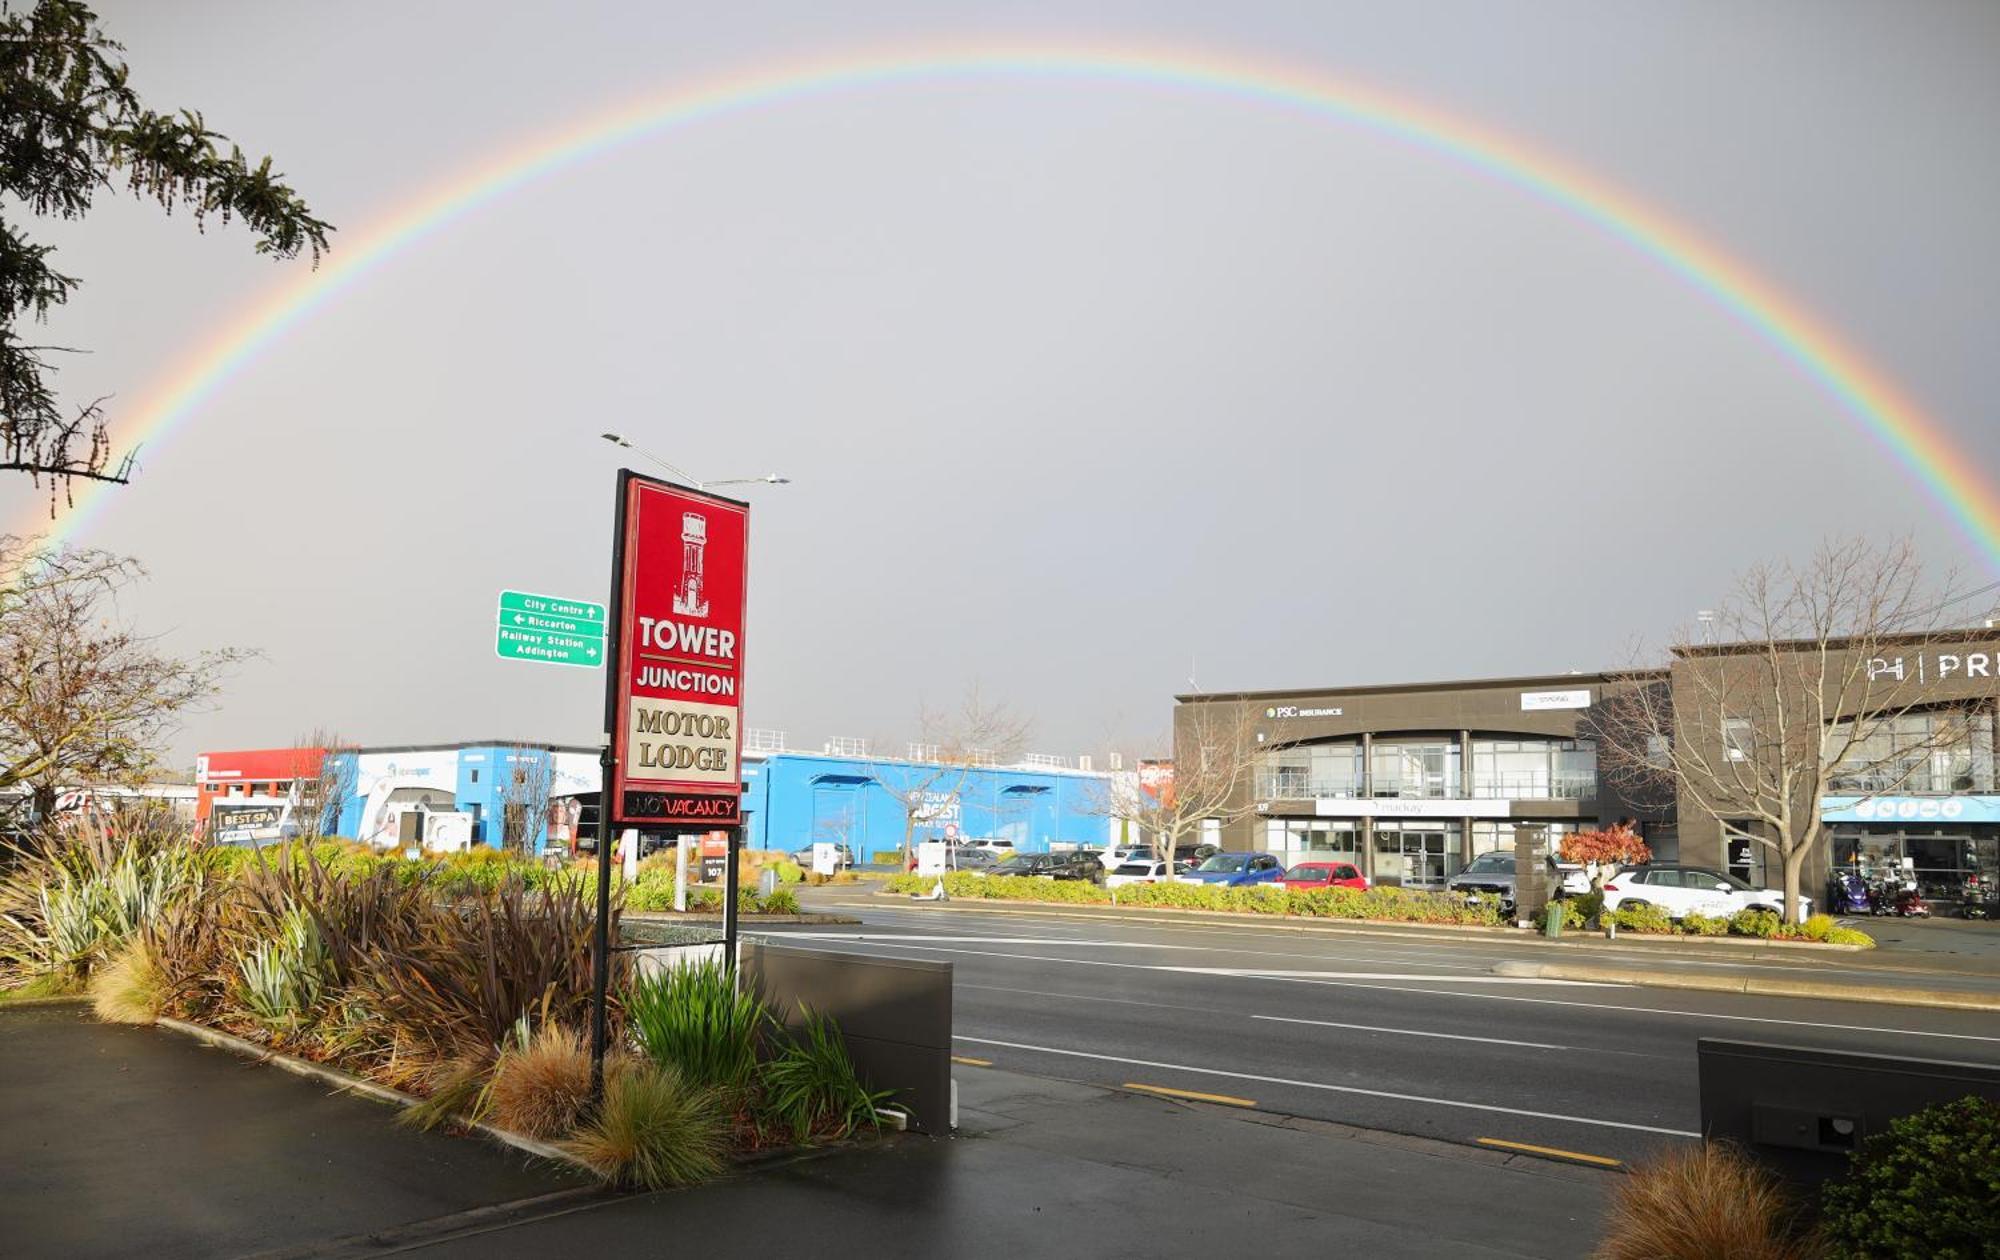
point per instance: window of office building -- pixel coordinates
(1313, 839)
(1309, 770)
(1918, 753)
(1420, 768)
(1487, 836)
(1534, 769)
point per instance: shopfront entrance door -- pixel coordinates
(1415, 855)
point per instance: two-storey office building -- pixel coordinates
(1413, 781)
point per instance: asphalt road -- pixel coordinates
(1406, 1033)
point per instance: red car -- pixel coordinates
(1308, 876)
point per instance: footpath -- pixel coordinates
(1044, 1167)
(140, 1142)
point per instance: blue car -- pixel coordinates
(1239, 870)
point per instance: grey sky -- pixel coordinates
(1077, 381)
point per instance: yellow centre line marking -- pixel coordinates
(970, 1061)
(1193, 1095)
(1554, 1153)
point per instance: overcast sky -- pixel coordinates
(1082, 384)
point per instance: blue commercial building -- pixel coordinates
(793, 799)
(539, 792)
(544, 795)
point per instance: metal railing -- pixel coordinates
(844, 746)
(755, 740)
(1536, 787)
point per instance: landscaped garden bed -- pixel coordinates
(1374, 905)
(463, 982)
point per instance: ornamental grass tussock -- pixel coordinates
(465, 983)
(1704, 1203)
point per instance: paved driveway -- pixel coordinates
(139, 1142)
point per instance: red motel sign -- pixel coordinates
(676, 689)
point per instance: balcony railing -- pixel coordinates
(1281, 785)
(1298, 787)
(1536, 787)
(1918, 783)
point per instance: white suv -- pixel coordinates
(1684, 890)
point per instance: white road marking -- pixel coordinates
(1266, 973)
(899, 938)
(905, 942)
(1411, 1032)
(1338, 1089)
(1505, 997)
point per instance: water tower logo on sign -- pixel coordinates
(688, 598)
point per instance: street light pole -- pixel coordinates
(768, 479)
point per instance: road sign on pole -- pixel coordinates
(549, 630)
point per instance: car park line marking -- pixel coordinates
(1411, 1032)
(1190, 1094)
(1554, 1152)
(969, 1061)
(1338, 1089)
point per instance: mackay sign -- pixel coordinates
(676, 688)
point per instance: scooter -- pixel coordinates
(1847, 893)
(1979, 899)
(1893, 895)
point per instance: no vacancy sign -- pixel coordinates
(676, 691)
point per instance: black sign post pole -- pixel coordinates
(608, 806)
(730, 882)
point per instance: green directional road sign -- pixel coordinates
(512, 602)
(549, 648)
(554, 625)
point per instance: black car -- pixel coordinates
(1493, 872)
(1080, 865)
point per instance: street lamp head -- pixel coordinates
(616, 439)
(777, 480)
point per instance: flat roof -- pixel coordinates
(1461, 684)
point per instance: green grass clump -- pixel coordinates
(694, 1020)
(811, 1086)
(780, 901)
(654, 1130)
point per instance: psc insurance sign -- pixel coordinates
(677, 689)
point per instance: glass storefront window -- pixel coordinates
(1534, 769)
(1487, 836)
(1313, 840)
(1941, 859)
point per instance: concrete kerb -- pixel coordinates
(353, 1084)
(1759, 986)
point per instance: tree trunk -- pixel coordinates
(1793, 861)
(43, 800)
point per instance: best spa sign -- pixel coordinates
(677, 691)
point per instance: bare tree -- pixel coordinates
(929, 785)
(1795, 689)
(83, 699)
(524, 798)
(322, 780)
(1216, 755)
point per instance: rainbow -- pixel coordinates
(1919, 444)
